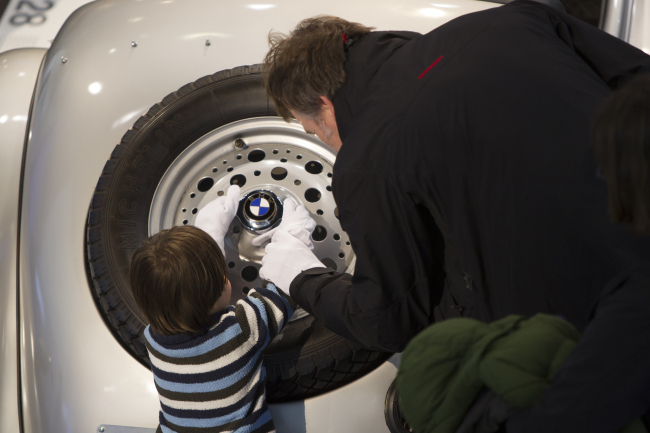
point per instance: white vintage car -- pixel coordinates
(138, 114)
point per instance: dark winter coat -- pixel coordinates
(466, 180)
(604, 384)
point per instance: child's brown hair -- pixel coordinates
(176, 277)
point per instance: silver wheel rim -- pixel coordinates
(221, 157)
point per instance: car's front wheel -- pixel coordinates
(186, 151)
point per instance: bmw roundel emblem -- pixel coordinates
(259, 206)
(259, 209)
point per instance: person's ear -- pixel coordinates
(326, 105)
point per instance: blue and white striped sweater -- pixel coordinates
(215, 382)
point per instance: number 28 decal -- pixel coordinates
(29, 12)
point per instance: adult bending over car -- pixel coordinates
(465, 177)
(542, 375)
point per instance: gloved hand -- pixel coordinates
(286, 257)
(295, 220)
(215, 217)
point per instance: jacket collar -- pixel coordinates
(364, 59)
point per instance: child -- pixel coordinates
(206, 355)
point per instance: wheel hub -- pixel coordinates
(271, 161)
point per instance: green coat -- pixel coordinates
(444, 368)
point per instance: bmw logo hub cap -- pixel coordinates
(260, 209)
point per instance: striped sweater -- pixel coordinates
(214, 382)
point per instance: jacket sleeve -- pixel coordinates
(270, 310)
(604, 384)
(614, 60)
(398, 276)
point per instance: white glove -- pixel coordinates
(215, 217)
(286, 257)
(295, 220)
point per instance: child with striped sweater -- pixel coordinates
(206, 355)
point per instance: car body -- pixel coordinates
(61, 369)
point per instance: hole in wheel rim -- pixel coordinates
(312, 195)
(256, 155)
(319, 234)
(249, 273)
(279, 173)
(238, 179)
(314, 167)
(329, 263)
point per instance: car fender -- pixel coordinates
(18, 72)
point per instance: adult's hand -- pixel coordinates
(215, 217)
(286, 257)
(295, 220)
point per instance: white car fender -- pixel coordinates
(18, 72)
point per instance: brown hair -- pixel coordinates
(308, 64)
(622, 147)
(176, 277)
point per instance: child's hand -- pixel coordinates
(215, 217)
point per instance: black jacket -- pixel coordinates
(604, 384)
(466, 180)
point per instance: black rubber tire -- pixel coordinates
(307, 359)
(394, 419)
